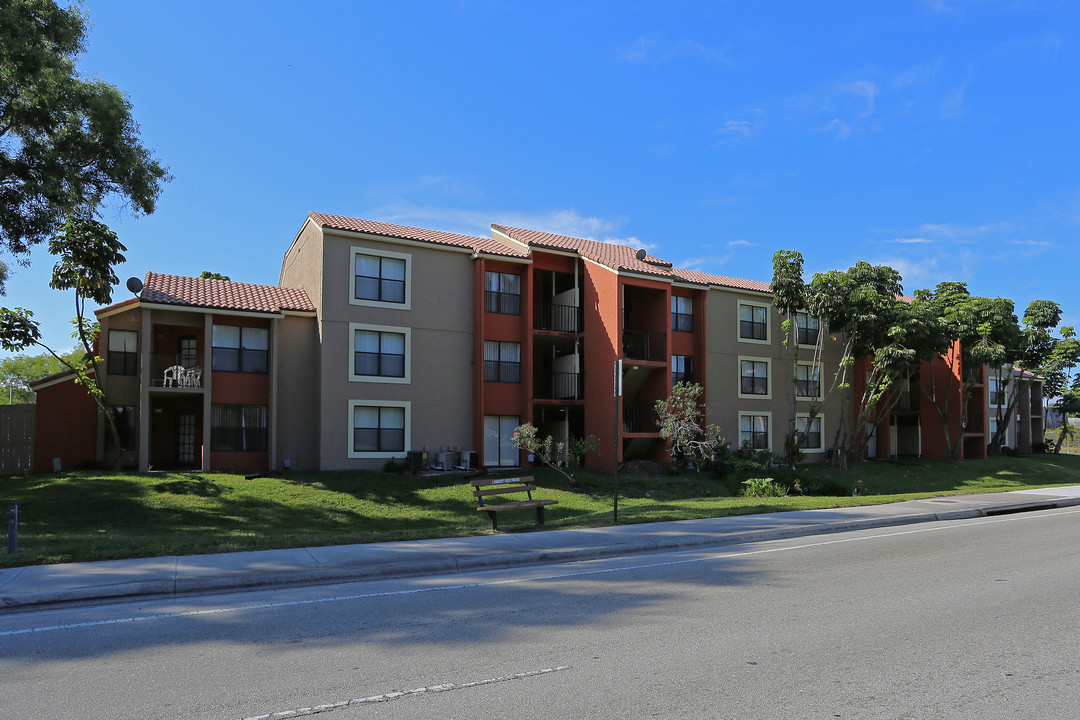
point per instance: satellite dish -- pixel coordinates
(640, 254)
(134, 284)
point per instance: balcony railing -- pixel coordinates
(560, 318)
(560, 386)
(973, 375)
(643, 345)
(174, 370)
(639, 418)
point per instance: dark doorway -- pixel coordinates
(185, 439)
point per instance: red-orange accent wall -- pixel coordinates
(65, 427)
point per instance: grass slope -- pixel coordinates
(80, 516)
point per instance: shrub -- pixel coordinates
(393, 466)
(763, 487)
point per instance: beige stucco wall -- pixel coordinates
(439, 319)
(724, 350)
(119, 389)
(297, 401)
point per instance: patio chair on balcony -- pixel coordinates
(173, 376)
(192, 377)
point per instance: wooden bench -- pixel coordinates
(508, 486)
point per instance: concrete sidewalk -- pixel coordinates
(167, 576)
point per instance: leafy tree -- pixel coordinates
(863, 305)
(66, 142)
(1036, 353)
(964, 332)
(791, 296)
(206, 274)
(680, 418)
(87, 251)
(17, 371)
(550, 452)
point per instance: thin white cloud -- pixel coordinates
(956, 230)
(478, 222)
(704, 263)
(953, 103)
(864, 89)
(841, 128)
(917, 75)
(742, 128)
(742, 243)
(1032, 243)
(659, 49)
(910, 241)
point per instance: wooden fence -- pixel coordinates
(16, 438)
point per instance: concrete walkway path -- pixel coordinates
(166, 576)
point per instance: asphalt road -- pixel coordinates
(965, 619)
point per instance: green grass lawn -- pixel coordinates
(79, 516)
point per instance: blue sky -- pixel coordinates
(936, 136)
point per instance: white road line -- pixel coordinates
(398, 694)
(534, 578)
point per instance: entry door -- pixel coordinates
(185, 439)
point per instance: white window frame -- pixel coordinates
(820, 386)
(768, 322)
(819, 329)
(993, 382)
(821, 418)
(769, 435)
(353, 300)
(768, 378)
(407, 332)
(353, 404)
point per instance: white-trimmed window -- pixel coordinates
(502, 361)
(380, 353)
(807, 328)
(499, 450)
(123, 352)
(995, 393)
(381, 278)
(380, 428)
(755, 430)
(992, 427)
(754, 378)
(808, 381)
(809, 432)
(753, 322)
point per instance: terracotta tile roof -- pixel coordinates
(617, 257)
(702, 278)
(222, 294)
(476, 244)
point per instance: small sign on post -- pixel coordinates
(13, 528)
(618, 394)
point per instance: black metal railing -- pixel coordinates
(559, 318)
(560, 386)
(502, 302)
(639, 417)
(678, 377)
(644, 345)
(173, 370)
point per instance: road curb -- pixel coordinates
(443, 563)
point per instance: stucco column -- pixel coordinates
(208, 375)
(146, 341)
(271, 411)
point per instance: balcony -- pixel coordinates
(172, 370)
(973, 374)
(644, 345)
(560, 386)
(557, 318)
(639, 417)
